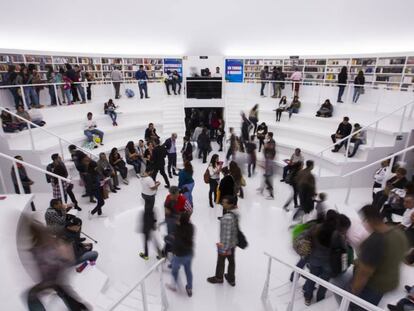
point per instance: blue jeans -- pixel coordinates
(136, 164)
(189, 194)
(143, 89)
(357, 92)
(322, 271)
(31, 96)
(341, 92)
(68, 94)
(81, 91)
(89, 134)
(292, 110)
(15, 95)
(185, 261)
(113, 116)
(52, 95)
(88, 256)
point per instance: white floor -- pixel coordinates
(264, 222)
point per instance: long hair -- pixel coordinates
(213, 160)
(235, 171)
(130, 146)
(188, 167)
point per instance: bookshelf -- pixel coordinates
(99, 67)
(396, 72)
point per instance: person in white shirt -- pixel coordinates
(379, 176)
(296, 77)
(116, 77)
(168, 81)
(91, 129)
(149, 189)
(197, 132)
(409, 210)
(295, 158)
(217, 74)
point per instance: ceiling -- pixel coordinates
(213, 27)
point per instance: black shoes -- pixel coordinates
(214, 280)
(231, 282)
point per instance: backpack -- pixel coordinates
(129, 93)
(206, 176)
(302, 244)
(241, 238)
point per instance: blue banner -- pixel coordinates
(234, 70)
(173, 64)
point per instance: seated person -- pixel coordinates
(344, 130)
(55, 215)
(398, 181)
(283, 106)
(326, 110)
(25, 115)
(168, 80)
(395, 201)
(8, 124)
(294, 106)
(406, 303)
(295, 158)
(83, 251)
(109, 109)
(359, 138)
(151, 133)
(91, 129)
(133, 157)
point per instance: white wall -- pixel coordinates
(214, 27)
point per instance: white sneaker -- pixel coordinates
(138, 175)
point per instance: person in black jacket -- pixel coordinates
(203, 143)
(172, 154)
(233, 144)
(342, 80)
(187, 150)
(158, 160)
(96, 187)
(151, 133)
(227, 185)
(358, 86)
(261, 134)
(344, 130)
(245, 130)
(183, 249)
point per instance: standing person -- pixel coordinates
(295, 158)
(228, 241)
(186, 181)
(148, 226)
(105, 169)
(254, 117)
(292, 180)
(342, 81)
(89, 80)
(245, 130)
(358, 86)
(158, 159)
(358, 139)
(239, 181)
(187, 150)
(233, 145)
(110, 109)
(377, 270)
(220, 134)
(264, 75)
(80, 78)
(296, 77)
(58, 80)
(142, 78)
(118, 164)
(171, 154)
(116, 77)
(183, 249)
(133, 158)
(10, 79)
(50, 78)
(278, 76)
(26, 77)
(306, 185)
(24, 178)
(214, 169)
(91, 129)
(261, 134)
(67, 88)
(344, 130)
(149, 189)
(58, 167)
(251, 156)
(177, 79)
(73, 77)
(283, 106)
(96, 184)
(204, 145)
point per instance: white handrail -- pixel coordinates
(392, 157)
(47, 131)
(347, 297)
(366, 127)
(19, 181)
(164, 300)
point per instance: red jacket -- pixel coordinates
(179, 206)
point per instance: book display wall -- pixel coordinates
(99, 67)
(392, 72)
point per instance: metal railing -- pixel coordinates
(18, 179)
(30, 124)
(388, 172)
(365, 128)
(347, 297)
(141, 282)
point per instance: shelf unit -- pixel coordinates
(99, 67)
(392, 71)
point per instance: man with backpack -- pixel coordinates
(228, 242)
